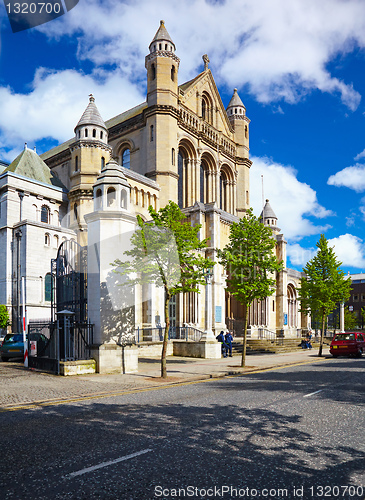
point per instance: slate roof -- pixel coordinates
(162, 34)
(91, 115)
(269, 212)
(235, 100)
(29, 164)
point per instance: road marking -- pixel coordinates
(106, 464)
(312, 393)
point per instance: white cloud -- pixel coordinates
(360, 155)
(351, 177)
(292, 201)
(56, 103)
(349, 250)
(279, 49)
(299, 256)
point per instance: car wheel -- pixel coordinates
(4, 358)
(359, 354)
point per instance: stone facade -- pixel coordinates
(181, 144)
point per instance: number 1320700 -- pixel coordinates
(34, 8)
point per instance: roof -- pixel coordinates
(235, 100)
(91, 115)
(162, 34)
(269, 212)
(29, 164)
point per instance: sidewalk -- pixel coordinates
(20, 386)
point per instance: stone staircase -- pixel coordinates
(267, 345)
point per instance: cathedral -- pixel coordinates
(181, 144)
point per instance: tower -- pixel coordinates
(111, 304)
(162, 113)
(236, 112)
(89, 154)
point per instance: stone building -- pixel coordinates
(181, 144)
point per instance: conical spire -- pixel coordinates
(91, 115)
(236, 108)
(161, 38)
(268, 217)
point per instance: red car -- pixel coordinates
(349, 343)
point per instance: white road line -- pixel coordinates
(312, 393)
(106, 464)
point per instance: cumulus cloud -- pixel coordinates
(293, 202)
(278, 50)
(351, 177)
(55, 104)
(348, 248)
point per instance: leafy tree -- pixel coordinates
(166, 251)
(4, 317)
(323, 284)
(363, 315)
(350, 319)
(250, 263)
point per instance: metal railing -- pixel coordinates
(187, 333)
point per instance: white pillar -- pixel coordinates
(342, 317)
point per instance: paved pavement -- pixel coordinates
(20, 386)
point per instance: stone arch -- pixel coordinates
(292, 306)
(186, 166)
(226, 188)
(122, 148)
(207, 107)
(207, 178)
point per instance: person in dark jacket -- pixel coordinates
(228, 340)
(221, 339)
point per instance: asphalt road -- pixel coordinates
(286, 433)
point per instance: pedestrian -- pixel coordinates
(228, 340)
(221, 339)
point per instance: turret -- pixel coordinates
(268, 218)
(162, 69)
(89, 154)
(236, 112)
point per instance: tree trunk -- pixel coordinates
(244, 342)
(322, 334)
(165, 338)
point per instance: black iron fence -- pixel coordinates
(50, 343)
(187, 333)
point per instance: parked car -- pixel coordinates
(13, 346)
(349, 343)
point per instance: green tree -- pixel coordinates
(350, 319)
(251, 264)
(4, 317)
(323, 285)
(166, 251)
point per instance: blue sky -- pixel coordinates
(299, 67)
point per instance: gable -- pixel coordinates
(204, 84)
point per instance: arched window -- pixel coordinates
(202, 183)
(223, 191)
(110, 197)
(86, 132)
(207, 108)
(292, 306)
(102, 162)
(101, 134)
(47, 240)
(45, 214)
(136, 196)
(173, 73)
(76, 163)
(94, 133)
(180, 184)
(126, 158)
(48, 287)
(55, 241)
(153, 72)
